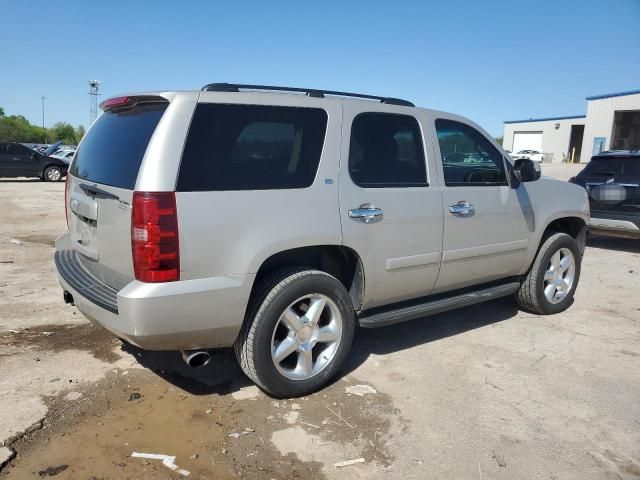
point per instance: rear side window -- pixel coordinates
(112, 150)
(386, 151)
(252, 147)
(468, 158)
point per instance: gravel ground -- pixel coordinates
(486, 392)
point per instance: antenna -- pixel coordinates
(94, 86)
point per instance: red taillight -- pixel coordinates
(154, 237)
(66, 199)
(114, 102)
(572, 180)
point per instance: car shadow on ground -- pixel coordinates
(618, 244)
(223, 374)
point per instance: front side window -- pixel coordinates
(386, 151)
(252, 147)
(468, 158)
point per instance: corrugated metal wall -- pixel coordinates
(600, 113)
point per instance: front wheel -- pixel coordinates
(552, 280)
(298, 331)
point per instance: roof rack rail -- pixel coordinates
(311, 92)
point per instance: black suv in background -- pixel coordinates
(612, 180)
(16, 160)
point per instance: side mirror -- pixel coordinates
(526, 170)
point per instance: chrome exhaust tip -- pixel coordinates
(196, 359)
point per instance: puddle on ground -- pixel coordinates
(94, 435)
(85, 336)
(47, 240)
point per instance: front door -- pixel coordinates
(389, 213)
(4, 160)
(487, 224)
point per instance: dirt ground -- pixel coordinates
(486, 392)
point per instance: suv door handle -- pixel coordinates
(366, 213)
(462, 208)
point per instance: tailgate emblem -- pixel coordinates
(124, 205)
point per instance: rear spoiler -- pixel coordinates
(125, 102)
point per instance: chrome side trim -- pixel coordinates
(484, 250)
(412, 261)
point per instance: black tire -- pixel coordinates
(269, 300)
(52, 174)
(531, 296)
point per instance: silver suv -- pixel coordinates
(277, 220)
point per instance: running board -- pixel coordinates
(403, 314)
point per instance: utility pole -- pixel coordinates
(42, 98)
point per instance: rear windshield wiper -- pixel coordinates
(94, 191)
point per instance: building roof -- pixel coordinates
(617, 94)
(548, 119)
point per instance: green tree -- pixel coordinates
(499, 140)
(80, 131)
(62, 131)
(1, 112)
(16, 128)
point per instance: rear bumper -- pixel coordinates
(614, 225)
(183, 315)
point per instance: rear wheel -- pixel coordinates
(551, 283)
(52, 174)
(298, 331)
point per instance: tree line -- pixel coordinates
(16, 128)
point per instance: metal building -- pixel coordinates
(612, 122)
(559, 139)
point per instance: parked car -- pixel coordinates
(528, 155)
(16, 160)
(226, 217)
(612, 180)
(64, 155)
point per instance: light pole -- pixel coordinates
(43, 129)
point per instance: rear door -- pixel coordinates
(100, 190)
(390, 213)
(486, 225)
(22, 161)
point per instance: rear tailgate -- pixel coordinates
(613, 184)
(101, 183)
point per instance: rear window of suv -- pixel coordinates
(252, 147)
(112, 150)
(613, 166)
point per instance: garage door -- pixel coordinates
(527, 141)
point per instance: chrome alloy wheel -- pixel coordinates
(54, 175)
(559, 276)
(306, 337)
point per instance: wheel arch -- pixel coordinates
(574, 226)
(340, 261)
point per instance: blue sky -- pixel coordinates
(488, 60)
